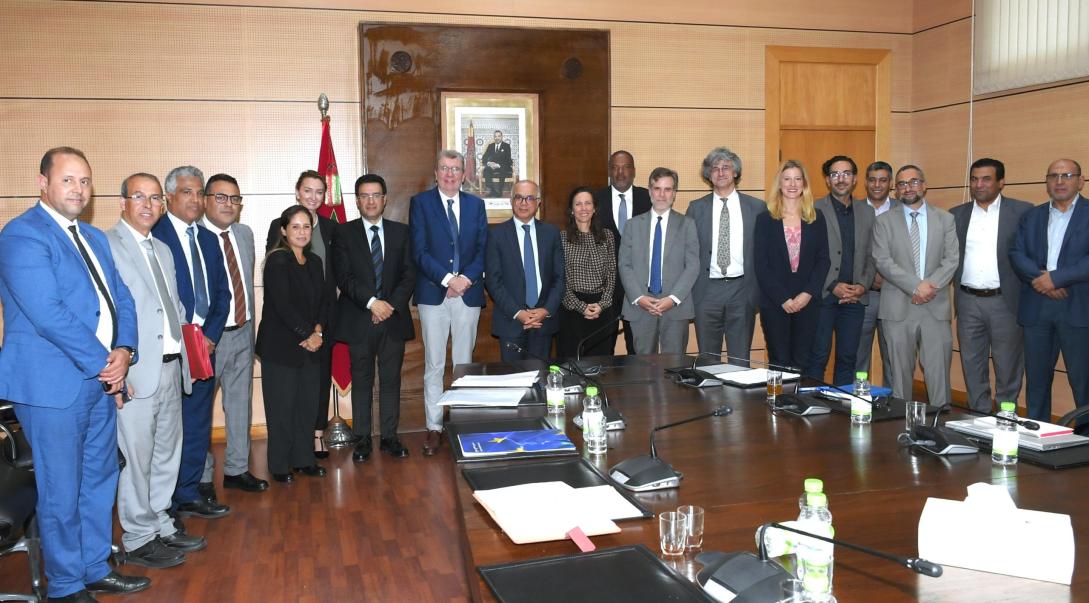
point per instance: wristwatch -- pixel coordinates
(131, 351)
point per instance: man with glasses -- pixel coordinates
(524, 274)
(203, 289)
(449, 229)
(878, 185)
(1050, 254)
(725, 294)
(850, 227)
(149, 426)
(986, 290)
(915, 249)
(234, 360)
(375, 273)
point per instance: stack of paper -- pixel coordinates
(524, 379)
(547, 511)
(756, 376)
(1046, 430)
(483, 396)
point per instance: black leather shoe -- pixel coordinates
(117, 584)
(207, 491)
(319, 447)
(283, 478)
(362, 451)
(393, 447)
(186, 543)
(203, 509)
(179, 525)
(156, 555)
(80, 597)
(314, 470)
(245, 481)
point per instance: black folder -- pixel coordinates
(886, 410)
(631, 574)
(453, 430)
(1061, 458)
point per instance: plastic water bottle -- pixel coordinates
(815, 557)
(554, 390)
(1005, 439)
(780, 542)
(593, 422)
(861, 410)
(812, 485)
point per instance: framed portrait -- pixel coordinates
(499, 133)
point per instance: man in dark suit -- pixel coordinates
(70, 335)
(498, 164)
(616, 204)
(1050, 254)
(725, 294)
(524, 274)
(310, 193)
(986, 290)
(842, 307)
(372, 260)
(878, 185)
(234, 362)
(203, 289)
(449, 230)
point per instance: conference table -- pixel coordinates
(747, 468)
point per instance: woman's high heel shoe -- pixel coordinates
(319, 446)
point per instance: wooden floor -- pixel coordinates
(382, 531)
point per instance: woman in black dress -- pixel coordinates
(296, 311)
(590, 262)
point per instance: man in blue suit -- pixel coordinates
(203, 289)
(449, 229)
(524, 274)
(1050, 255)
(69, 338)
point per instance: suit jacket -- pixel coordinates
(219, 292)
(130, 258)
(328, 229)
(506, 278)
(355, 276)
(499, 154)
(680, 263)
(701, 213)
(1009, 216)
(433, 247)
(297, 298)
(1028, 256)
(892, 253)
(772, 260)
(863, 269)
(51, 311)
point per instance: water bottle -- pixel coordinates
(815, 558)
(554, 390)
(780, 542)
(811, 485)
(593, 422)
(1005, 439)
(861, 410)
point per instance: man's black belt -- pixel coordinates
(234, 328)
(728, 278)
(981, 292)
(168, 358)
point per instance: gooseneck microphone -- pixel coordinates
(1026, 423)
(649, 472)
(915, 564)
(938, 439)
(594, 370)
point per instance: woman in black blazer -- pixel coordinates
(790, 249)
(296, 312)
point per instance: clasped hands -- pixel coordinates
(380, 310)
(592, 311)
(797, 303)
(532, 319)
(924, 292)
(1044, 286)
(313, 342)
(848, 293)
(458, 286)
(656, 307)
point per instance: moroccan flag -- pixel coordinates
(333, 208)
(470, 156)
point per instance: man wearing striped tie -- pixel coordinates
(372, 261)
(916, 250)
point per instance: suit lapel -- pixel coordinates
(513, 234)
(136, 251)
(934, 240)
(1076, 223)
(832, 219)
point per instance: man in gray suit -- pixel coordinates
(234, 354)
(878, 185)
(843, 306)
(915, 248)
(659, 262)
(725, 293)
(986, 289)
(149, 426)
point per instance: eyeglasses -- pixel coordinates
(839, 175)
(141, 198)
(913, 183)
(371, 196)
(449, 169)
(526, 199)
(1064, 177)
(722, 169)
(222, 198)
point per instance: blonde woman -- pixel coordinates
(791, 260)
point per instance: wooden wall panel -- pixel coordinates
(940, 70)
(901, 141)
(939, 140)
(931, 13)
(801, 82)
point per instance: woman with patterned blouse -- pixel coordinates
(590, 259)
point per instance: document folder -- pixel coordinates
(196, 351)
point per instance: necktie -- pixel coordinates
(530, 267)
(376, 261)
(98, 282)
(453, 234)
(723, 256)
(236, 280)
(915, 242)
(622, 215)
(200, 291)
(164, 293)
(656, 260)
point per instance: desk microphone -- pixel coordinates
(938, 439)
(1026, 423)
(696, 378)
(790, 403)
(756, 579)
(595, 370)
(648, 472)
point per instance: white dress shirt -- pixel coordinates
(231, 322)
(183, 237)
(170, 344)
(880, 209)
(104, 329)
(737, 236)
(628, 202)
(981, 248)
